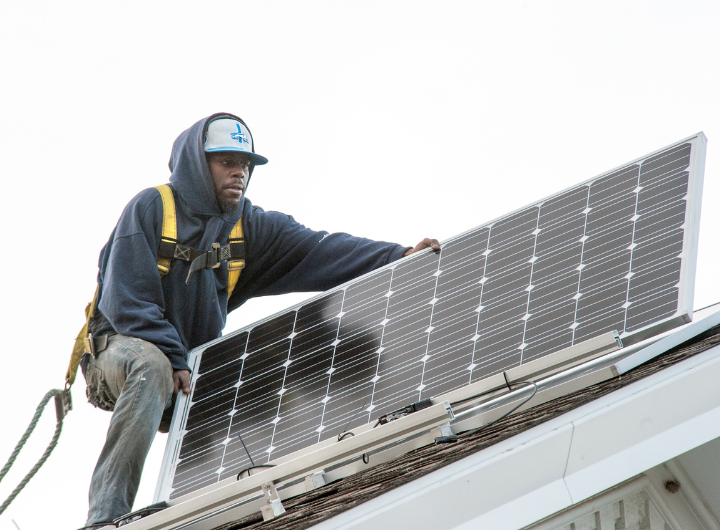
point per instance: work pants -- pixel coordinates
(133, 378)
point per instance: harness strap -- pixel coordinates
(169, 228)
(169, 248)
(81, 343)
(237, 262)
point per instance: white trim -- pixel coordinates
(582, 509)
(561, 462)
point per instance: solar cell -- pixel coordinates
(613, 253)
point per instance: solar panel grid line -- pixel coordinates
(475, 337)
(557, 279)
(523, 345)
(545, 276)
(427, 339)
(371, 405)
(664, 192)
(653, 265)
(327, 392)
(632, 251)
(282, 388)
(654, 303)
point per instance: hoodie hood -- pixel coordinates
(190, 172)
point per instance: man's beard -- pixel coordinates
(230, 207)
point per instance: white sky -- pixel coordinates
(393, 120)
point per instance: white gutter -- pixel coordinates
(561, 462)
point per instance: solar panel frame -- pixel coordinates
(682, 315)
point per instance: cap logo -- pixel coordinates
(239, 136)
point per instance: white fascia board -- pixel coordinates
(561, 462)
(480, 483)
(630, 436)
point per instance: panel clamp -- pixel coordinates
(315, 481)
(273, 506)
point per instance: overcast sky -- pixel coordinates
(393, 120)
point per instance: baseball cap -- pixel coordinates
(226, 134)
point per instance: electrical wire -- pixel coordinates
(342, 433)
(253, 467)
(252, 464)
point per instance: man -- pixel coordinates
(144, 324)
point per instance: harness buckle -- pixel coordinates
(215, 253)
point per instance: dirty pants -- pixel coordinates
(133, 378)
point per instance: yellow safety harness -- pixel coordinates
(169, 249)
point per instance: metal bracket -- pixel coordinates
(449, 409)
(442, 430)
(274, 507)
(315, 481)
(443, 433)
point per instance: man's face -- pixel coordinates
(230, 172)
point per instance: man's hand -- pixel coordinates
(425, 243)
(181, 381)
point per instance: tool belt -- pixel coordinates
(95, 345)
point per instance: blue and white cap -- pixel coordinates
(226, 134)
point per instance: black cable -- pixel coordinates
(252, 464)
(248, 453)
(506, 381)
(527, 384)
(340, 434)
(253, 467)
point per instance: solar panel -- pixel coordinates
(614, 253)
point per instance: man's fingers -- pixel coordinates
(425, 243)
(181, 381)
(185, 381)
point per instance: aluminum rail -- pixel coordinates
(675, 339)
(352, 446)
